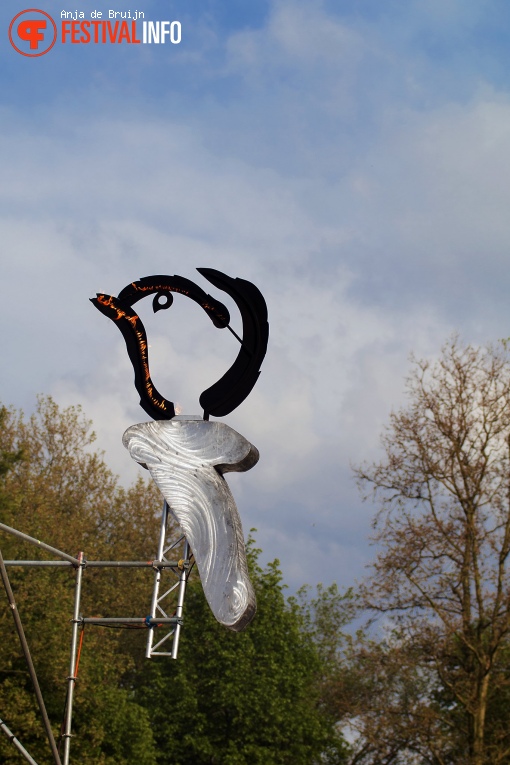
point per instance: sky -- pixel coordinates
(350, 158)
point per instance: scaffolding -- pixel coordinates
(158, 617)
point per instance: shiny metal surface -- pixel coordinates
(187, 459)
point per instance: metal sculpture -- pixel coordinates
(187, 461)
(235, 385)
(187, 457)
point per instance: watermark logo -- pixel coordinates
(32, 32)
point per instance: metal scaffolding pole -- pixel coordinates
(157, 578)
(180, 602)
(120, 620)
(157, 613)
(154, 564)
(71, 680)
(17, 744)
(38, 543)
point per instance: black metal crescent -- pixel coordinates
(133, 331)
(237, 383)
(160, 284)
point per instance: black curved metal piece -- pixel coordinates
(235, 385)
(165, 285)
(133, 331)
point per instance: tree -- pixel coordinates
(442, 573)
(243, 699)
(385, 696)
(56, 488)
(236, 699)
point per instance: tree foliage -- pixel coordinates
(243, 699)
(229, 698)
(442, 573)
(56, 488)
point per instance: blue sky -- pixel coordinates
(350, 158)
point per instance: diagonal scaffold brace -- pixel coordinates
(30, 666)
(16, 743)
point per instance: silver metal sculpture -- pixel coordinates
(187, 459)
(188, 456)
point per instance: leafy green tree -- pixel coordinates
(56, 488)
(230, 699)
(7, 459)
(243, 699)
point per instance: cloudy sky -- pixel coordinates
(350, 157)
